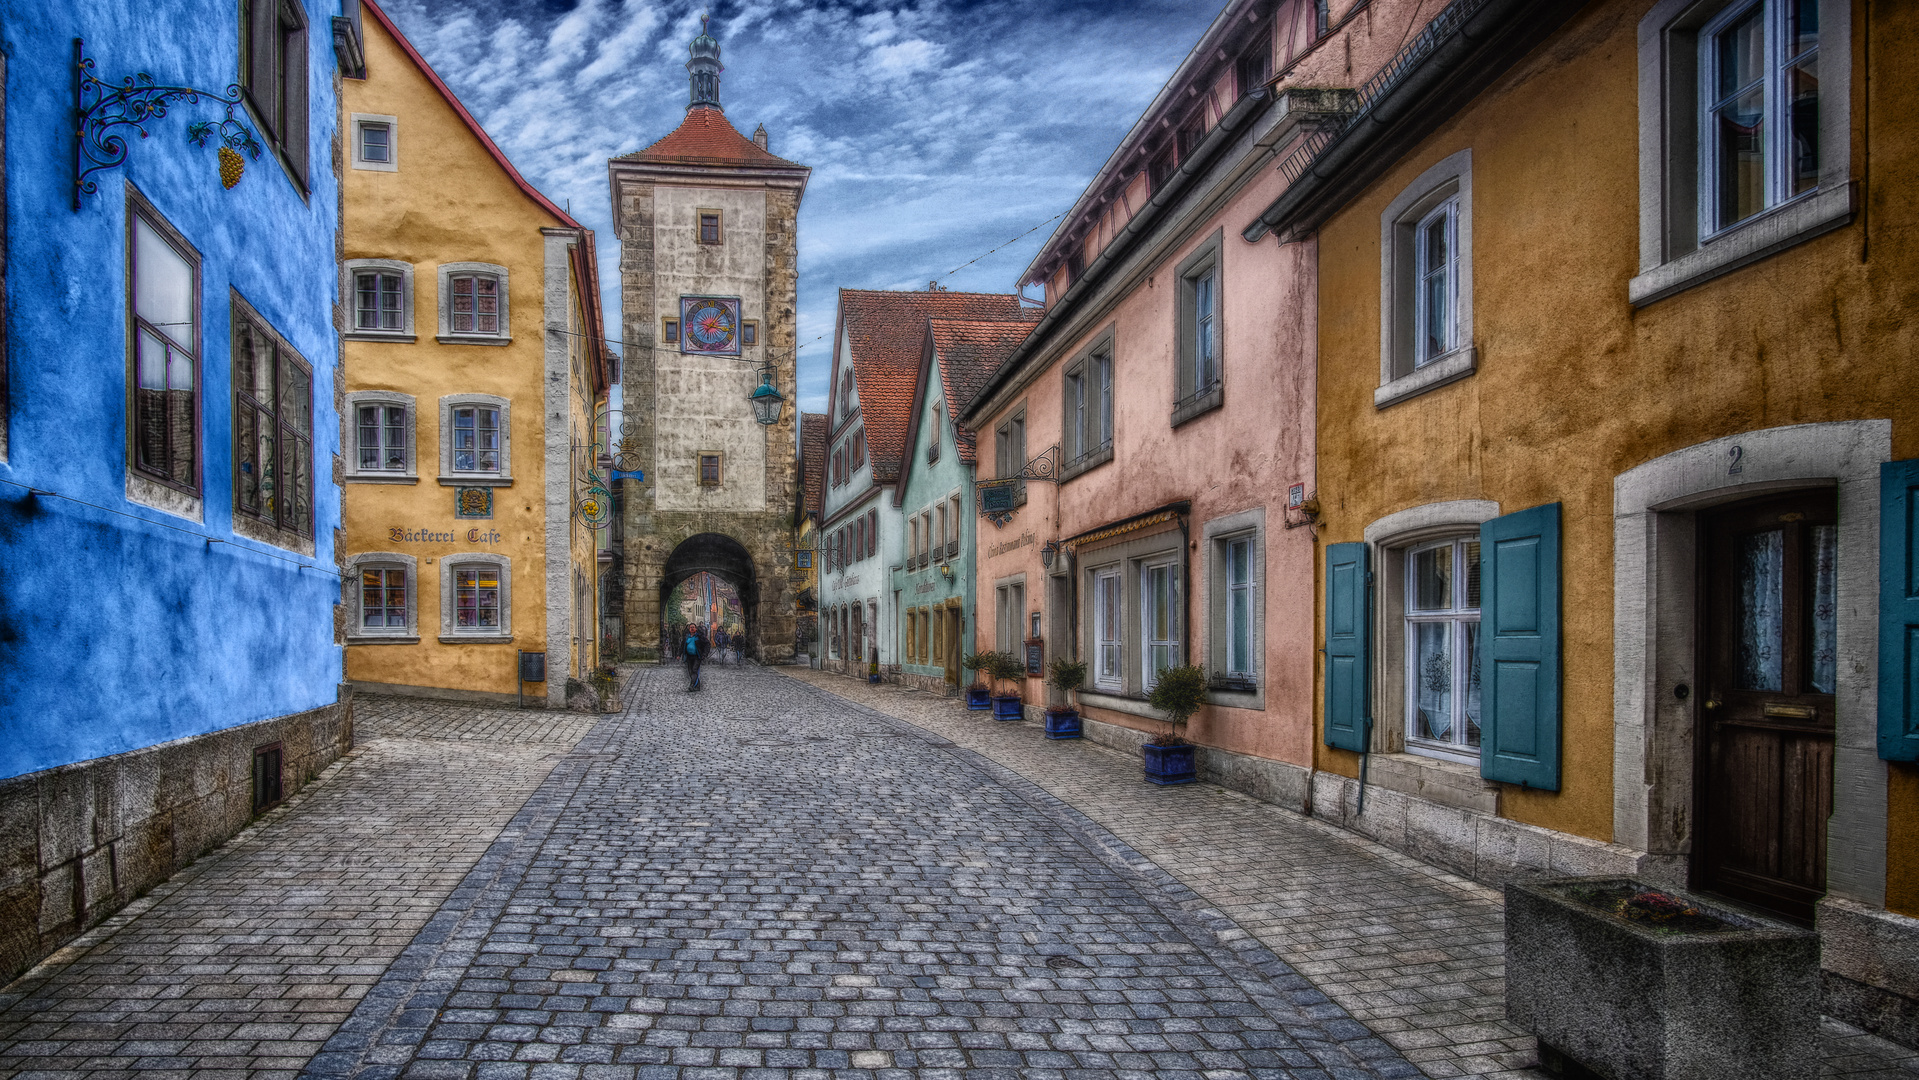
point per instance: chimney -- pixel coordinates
(759, 136)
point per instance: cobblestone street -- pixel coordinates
(770, 880)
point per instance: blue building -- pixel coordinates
(935, 587)
(168, 439)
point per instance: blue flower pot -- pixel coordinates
(1008, 707)
(979, 698)
(1169, 764)
(1062, 724)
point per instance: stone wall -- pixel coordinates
(79, 841)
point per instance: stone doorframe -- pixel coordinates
(1655, 510)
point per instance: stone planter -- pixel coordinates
(1008, 707)
(979, 698)
(1632, 987)
(1169, 764)
(1062, 724)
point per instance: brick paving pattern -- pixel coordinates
(756, 884)
(1412, 951)
(248, 960)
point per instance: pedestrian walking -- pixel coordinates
(693, 655)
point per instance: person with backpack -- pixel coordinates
(694, 652)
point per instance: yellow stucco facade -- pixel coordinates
(460, 487)
(1577, 393)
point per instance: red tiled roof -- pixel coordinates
(813, 463)
(478, 131)
(969, 351)
(706, 137)
(887, 332)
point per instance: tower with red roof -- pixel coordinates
(707, 221)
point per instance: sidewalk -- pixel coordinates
(1414, 952)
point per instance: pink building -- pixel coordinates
(1163, 409)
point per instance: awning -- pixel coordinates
(1133, 524)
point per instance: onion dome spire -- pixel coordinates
(703, 70)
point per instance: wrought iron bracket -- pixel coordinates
(998, 498)
(101, 110)
(593, 506)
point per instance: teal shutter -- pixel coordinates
(1899, 610)
(1519, 648)
(1348, 706)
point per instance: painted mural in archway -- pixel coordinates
(704, 600)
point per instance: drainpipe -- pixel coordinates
(1186, 583)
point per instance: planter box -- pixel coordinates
(1170, 764)
(978, 698)
(1705, 994)
(1008, 707)
(1062, 724)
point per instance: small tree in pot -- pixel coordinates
(1179, 693)
(1007, 668)
(979, 696)
(1065, 675)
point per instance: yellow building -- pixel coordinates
(1617, 434)
(472, 515)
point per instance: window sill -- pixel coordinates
(1450, 367)
(459, 480)
(370, 335)
(383, 639)
(254, 529)
(1448, 783)
(377, 478)
(1086, 462)
(165, 498)
(476, 639)
(1203, 402)
(1774, 231)
(1116, 702)
(472, 339)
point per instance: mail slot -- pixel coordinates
(532, 667)
(1790, 712)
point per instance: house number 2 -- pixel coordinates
(1735, 454)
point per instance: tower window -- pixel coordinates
(709, 226)
(670, 331)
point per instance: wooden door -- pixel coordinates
(952, 645)
(1768, 664)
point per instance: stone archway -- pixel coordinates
(726, 559)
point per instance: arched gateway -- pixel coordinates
(707, 224)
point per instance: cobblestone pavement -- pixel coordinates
(761, 882)
(1413, 952)
(246, 961)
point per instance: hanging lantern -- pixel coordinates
(767, 402)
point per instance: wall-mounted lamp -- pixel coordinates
(1049, 554)
(767, 402)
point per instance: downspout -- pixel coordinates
(1186, 583)
(1366, 741)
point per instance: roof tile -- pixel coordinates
(813, 461)
(706, 137)
(969, 351)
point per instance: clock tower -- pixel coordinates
(707, 224)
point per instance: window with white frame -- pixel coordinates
(933, 435)
(1734, 129)
(1426, 279)
(952, 542)
(381, 431)
(381, 294)
(1242, 658)
(473, 307)
(376, 142)
(476, 597)
(476, 440)
(1087, 435)
(1109, 663)
(164, 278)
(1199, 353)
(1010, 614)
(1442, 648)
(1159, 609)
(382, 590)
(1436, 279)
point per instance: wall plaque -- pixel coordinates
(472, 502)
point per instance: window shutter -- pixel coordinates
(1899, 610)
(294, 138)
(263, 46)
(1519, 648)
(1348, 646)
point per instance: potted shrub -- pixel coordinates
(979, 696)
(1066, 675)
(605, 681)
(1179, 693)
(1007, 668)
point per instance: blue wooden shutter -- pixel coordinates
(1348, 705)
(1519, 648)
(1899, 610)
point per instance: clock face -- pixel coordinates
(710, 325)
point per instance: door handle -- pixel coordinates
(1712, 703)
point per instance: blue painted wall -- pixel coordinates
(122, 626)
(926, 486)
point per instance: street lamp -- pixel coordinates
(767, 402)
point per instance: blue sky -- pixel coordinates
(935, 131)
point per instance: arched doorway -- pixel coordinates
(725, 559)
